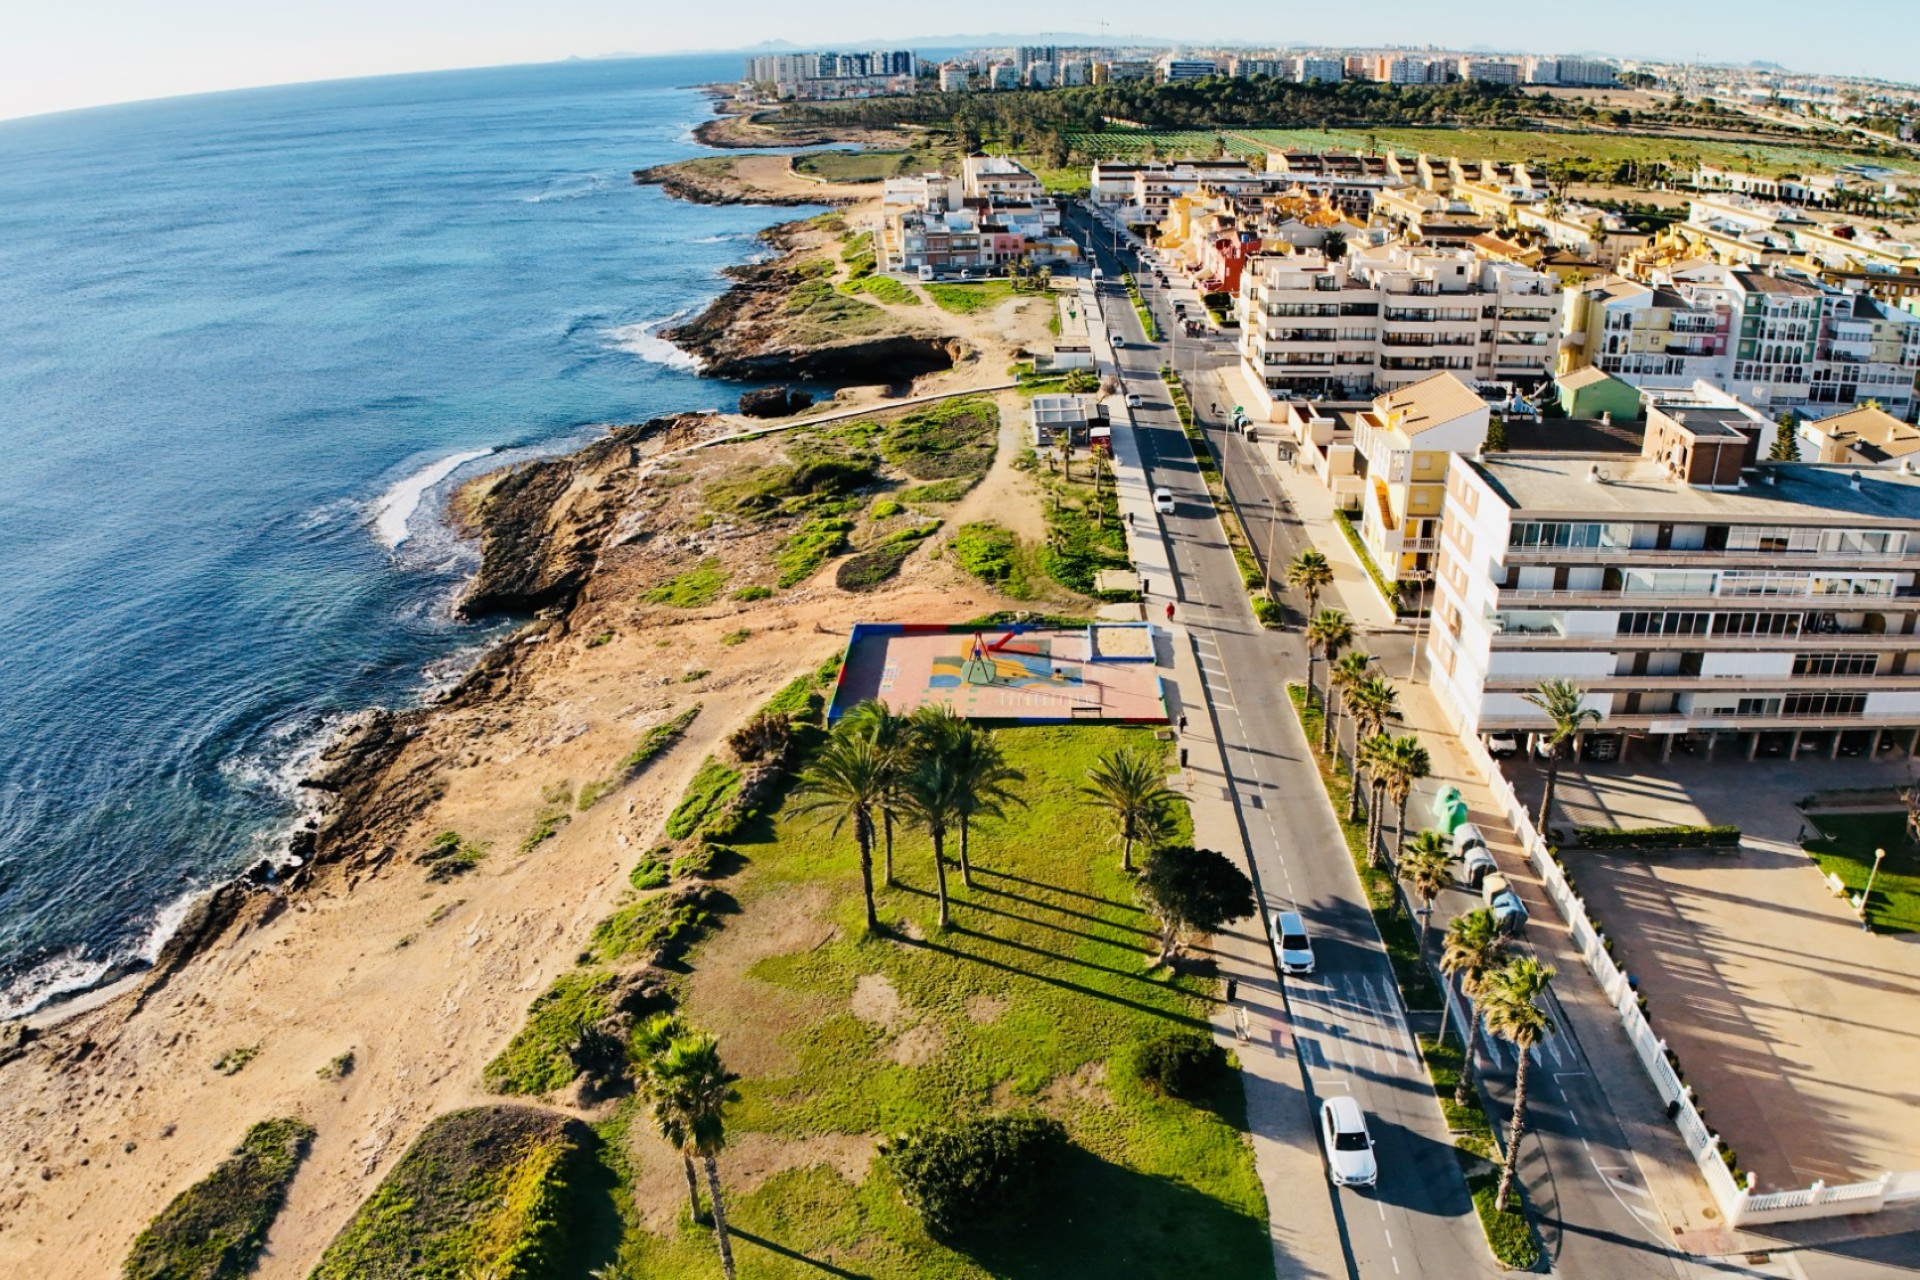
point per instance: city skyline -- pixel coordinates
(107, 51)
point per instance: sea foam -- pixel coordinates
(396, 506)
(644, 340)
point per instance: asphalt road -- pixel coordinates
(1596, 1218)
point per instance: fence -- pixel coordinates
(1737, 1201)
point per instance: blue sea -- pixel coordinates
(247, 341)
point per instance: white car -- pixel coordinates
(1291, 944)
(1163, 501)
(1134, 401)
(1502, 745)
(1343, 1128)
(1119, 341)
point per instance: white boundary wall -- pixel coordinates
(1738, 1202)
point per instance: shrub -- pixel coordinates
(806, 549)
(740, 636)
(1658, 837)
(216, 1229)
(656, 929)
(447, 856)
(869, 569)
(939, 491)
(652, 871)
(698, 861)
(796, 700)
(692, 588)
(960, 1173)
(885, 509)
(766, 736)
(747, 595)
(943, 441)
(658, 739)
(1184, 1064)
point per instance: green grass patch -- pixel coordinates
(966, 299)
(948, 440)
(1510, 1234)
(1846, 850)
(661, 926)
(1038, 998)
(991, 553)
(738, 636)
(857, 166)
(546, 825)
(493, 1191)
(658, 739)
(1389, 914)
(818, 313)
(538, 1058)
(870, 568)
(1085, 533)
(235, 1060)
(883, 289)
(1140, 308)
(812, 481)
(217, 1228)
(691, 588)
(711, 790)
(803, 551)
(747, 595)
(940, 490)
(1469, 1123)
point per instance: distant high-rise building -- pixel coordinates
(1589, 73)
(1003, 75)
(829, 74)
(1040, 75)
(1035, 55)
(1174, 69)
(1321, 70)
(1122, 69)
(953, 78)
(1490, 71)
(1073, 72)
(1273, 68)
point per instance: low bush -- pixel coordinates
(885, 509)
(655, 929)
(747, 595)
(884, 289)
(653, 869)
(1183, 1064)
(986, 550)
(764, 737)
(796, 700)
(960, 1174)
(1510, 1234)
(692, 588)
(698, 861)
(447, 856)
(869, 569)
(492, 1191)
(939, 491)
(1658, 837)
(657, 739)
(712, 788)
(944, 441)
(539, 1057)
(217, 1228)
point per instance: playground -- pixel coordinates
(1104, 672)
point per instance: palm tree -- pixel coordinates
(1371, 703)
(1370, 763)
(982, 771)
(1427, 867)
(1343, 676)
(689, 1089)
(1510, 1001)
(1473, 948)
(1403, 763)
(1560, 699)
(930, 794)
(892, 735)
(1328, 632)
(650, 1041)
(1131, 787)
(1309, 572)
(848, 780)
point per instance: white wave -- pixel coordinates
(573, 186)
(71, 973)
(397, 505)
(644, 340)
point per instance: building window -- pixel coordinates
(1835, 664)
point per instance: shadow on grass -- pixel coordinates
(1065, 911)
(1098, 1219)
(1054, 888)
(929, 944)
(774, 1246)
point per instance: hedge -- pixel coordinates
(1657, 837)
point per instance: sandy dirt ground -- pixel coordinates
(120, 1107)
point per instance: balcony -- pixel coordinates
(1834, 562)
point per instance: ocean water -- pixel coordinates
(247, 342)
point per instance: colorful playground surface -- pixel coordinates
(1102, 672)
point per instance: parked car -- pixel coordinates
(1343, 1128)
(1163, 501)
(1543, 745)
(1502, 745)
(1291, 944)
(1134, 401)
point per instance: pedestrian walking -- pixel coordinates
(1183, 722)
(1143, 587)
(1233, 989)
(1169, 611)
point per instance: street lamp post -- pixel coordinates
(1866, 898)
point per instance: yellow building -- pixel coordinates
(1864, 437)
(1407, 440)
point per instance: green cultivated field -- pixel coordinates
(861, 166)
(1035, 999)
(1521, 144)
(1169, 144)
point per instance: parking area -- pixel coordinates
(1796, 1029)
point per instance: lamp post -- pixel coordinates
(1866, 898)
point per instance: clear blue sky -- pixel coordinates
(56, 54)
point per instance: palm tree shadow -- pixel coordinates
(1092, 1217)
(1054, 888)
(773, 1246)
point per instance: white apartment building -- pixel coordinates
(1774, 614)
(1491, 71)
(1003, 75)
(1272, 68)
(953, 78)
(1174, 69)
(1387, 316)
(1321, 70)
(997, 178)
